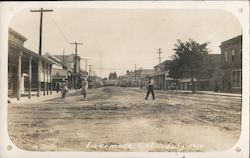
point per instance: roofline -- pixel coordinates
(15, 32)
(53, 58)
(29, 52)
(231, 39)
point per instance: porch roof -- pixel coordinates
(29, 52)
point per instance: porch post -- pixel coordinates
(39, 77)
(30, 76)
(72, 81)
(19, 76)
(50, 78)
(47, 66)
(44, 81)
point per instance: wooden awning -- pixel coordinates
(28, 52)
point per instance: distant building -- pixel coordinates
(143, 75)
(231, 51)
(28, 72)
(215, 80)
(161, 77)
(136, 78)
(68, 61)
(210, 82)
(71, 70)
(112, 76)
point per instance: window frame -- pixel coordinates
(234, 77)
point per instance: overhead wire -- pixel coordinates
(59, 29)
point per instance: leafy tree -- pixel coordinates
(188, 61)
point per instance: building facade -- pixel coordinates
(138, 78)
(207, 82)
(161, 77)
(231, 51)
(28, 73)
(71, 70)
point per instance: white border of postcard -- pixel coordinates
(238, 8)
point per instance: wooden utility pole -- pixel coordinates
(86, 63)
(41, 11)
(135, 77)
(75, 74)
(90, 69)
(159, 52)
(135, 71)
(41, 26)
(63, 57)
(100, 64)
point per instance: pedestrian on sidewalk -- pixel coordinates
(58, 86)
(84, 88)
(64, 89)
(150, 87)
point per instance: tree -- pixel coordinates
(188, 61)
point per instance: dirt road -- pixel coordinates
(119, 119)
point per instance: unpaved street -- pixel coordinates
(119, 119)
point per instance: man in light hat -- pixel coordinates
(84, 88)
(150, 87)
(64, 89)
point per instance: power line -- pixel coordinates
(59, 28)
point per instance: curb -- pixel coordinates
(37, 99)
(200, 92)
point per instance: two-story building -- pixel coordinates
(71, 70)
(231, 51)
(161, 76)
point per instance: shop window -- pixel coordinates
(236, 78)
(233, 55)
(226, 55)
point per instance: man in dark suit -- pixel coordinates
(150, 88)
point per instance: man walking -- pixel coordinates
(84, 88)
(150, 88)
(64, 89)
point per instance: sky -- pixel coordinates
(115, 40)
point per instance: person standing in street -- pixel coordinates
(84, 88)
(150, 87)
(64, 89)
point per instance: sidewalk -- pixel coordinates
(35, 99)
(208, 93)
(190, 92)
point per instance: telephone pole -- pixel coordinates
(135, 77)
(41, 26)
(63, 56)
(75, 73)
(100, 64)
(40, 47)
(86, 63)
(90, 69)
(159, 52)
(63, 60)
